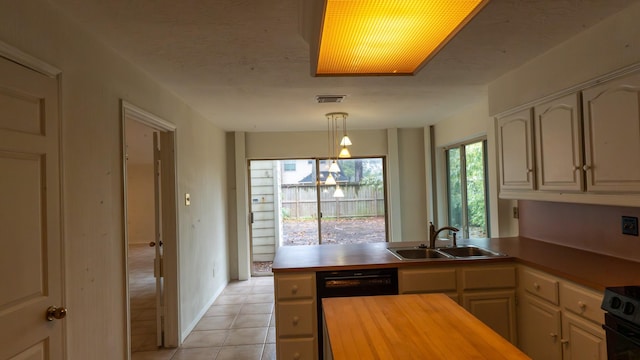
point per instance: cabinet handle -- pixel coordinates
(294, 289)
(296, 319)
(296, 356)
(536, 286)
(586, 167)
(553, 335)
(529, 171)
(564, 341)
(582, 306)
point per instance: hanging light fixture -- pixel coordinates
(383, 37)
(330, 180)
(333, 119)
(338, 192)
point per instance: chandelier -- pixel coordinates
(333, 123)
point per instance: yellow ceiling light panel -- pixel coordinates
(387, 37)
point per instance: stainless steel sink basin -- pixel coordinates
(418, 253)
(469, 251)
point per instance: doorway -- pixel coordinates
(150, 230)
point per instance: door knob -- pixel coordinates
(56, 313)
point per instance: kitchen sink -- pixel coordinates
(419, 253)
(416, 252)
(469, 251)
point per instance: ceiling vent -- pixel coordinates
(321, 99)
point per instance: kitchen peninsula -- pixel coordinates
(485, 286)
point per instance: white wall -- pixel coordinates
(609, 45)
(470, 123)
(408, 144)
(94, 79)
(411, 153)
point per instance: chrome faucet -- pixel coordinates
(433, 233)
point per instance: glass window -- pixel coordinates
(467, 189)
(299, 208)
(289, 165)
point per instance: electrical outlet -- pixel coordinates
(516, 212)
(630, 225)
(187, 199)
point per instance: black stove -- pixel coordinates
(623, 302)
(622, 322)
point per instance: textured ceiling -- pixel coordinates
(244, 65)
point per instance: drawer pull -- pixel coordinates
(296, 356)
(294, 289)
(564, 342)
(582, 306)
(536, 286)
(296, 319)
(553, 335)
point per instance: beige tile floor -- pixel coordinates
(240, 325)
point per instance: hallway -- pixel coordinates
(240, 325)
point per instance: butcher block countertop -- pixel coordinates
(587, 268)
(426, 326)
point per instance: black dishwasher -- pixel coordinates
(344, 283)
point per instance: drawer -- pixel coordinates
(296, 318)
(297, 286)
(582, 301)
(538, 284)
(488, 277)
(296, 349)
(425, 281)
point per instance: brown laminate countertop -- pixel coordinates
(587, 268)
(425, 326)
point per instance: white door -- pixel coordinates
(30, 223)
(157, 244)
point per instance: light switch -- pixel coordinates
(187, 199)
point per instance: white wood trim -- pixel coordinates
(242, 210)
(393, 187)
(131, 111)
(20, 57)
(578, 198)
(172, 319)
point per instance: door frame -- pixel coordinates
(169, 222)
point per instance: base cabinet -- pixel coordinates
(296, 318)
(486, 291)
(540, 329)
(583, 339)
(497, 309)
(559, 320)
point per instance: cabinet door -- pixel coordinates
(497, 309)
(539, 326)
(611, 128)
(582, 339)
(515, 151)
(558, 142)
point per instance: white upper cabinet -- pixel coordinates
(582, 147)
(515, 151)
(612, 136)
(558, 143)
